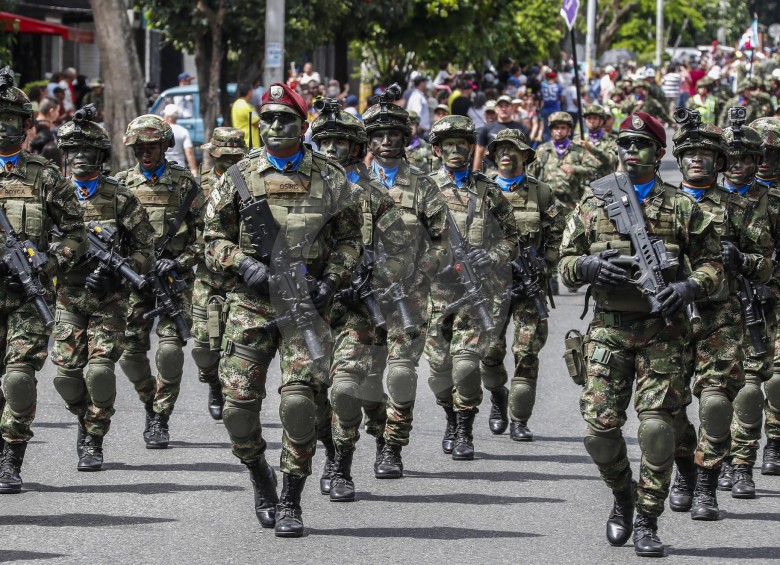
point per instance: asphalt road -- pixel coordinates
(539, 502)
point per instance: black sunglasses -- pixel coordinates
(640, 142)
(283, 117)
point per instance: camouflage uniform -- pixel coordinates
(209, 289)
(651, 104)
(419, 152)
(162, 197)
(757, 106)
(602, 144)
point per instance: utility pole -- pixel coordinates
(590, 40)
(659, 35)
(273, 70)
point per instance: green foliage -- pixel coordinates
(638, 33)
(30, 85)
(8, 31)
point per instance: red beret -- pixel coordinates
(279, 93)
(644, 124)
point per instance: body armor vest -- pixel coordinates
(407, 200)
(22, 200)
(467, 205)
(527, 205)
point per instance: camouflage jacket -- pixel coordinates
(567, 188)
(208, 181)
(650, 105)
(766, 208)
(756, 107)
(420, 154)
(605, 150)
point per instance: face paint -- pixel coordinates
(280, 130)
(638, 156)
(509, 160)
(456, 152)
(149, 155)
(336, 148)
(386, 143)
(11, 129)
(698, 165)
(83, 160)
(741, 170)
(560, 132)
(223, 163)
(770, 164)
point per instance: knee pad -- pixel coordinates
(19, 387)
(772, 391)
(401, 382)
(101, 383)
(440, 382)
(522, 397)
(465, 375)
(69, 383)
(170, 360)
(372, 392)
(345, 398)
(493, 376)
(749, 406)
(204, 357)
(605, 447)
(241, 418)
(656, 440)
(715, 415)
(298, 413)
(135, 365)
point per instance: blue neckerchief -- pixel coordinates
(741, 189)
(353, 176)
(156, 174)
(286, 164)
(460, 177)
(10, 159)
(642, 190)
(697, 193)
(765, 182)
(85, 189)
(506, 184)
(387, 176)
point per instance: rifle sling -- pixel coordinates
(189, 198)
(241, 188)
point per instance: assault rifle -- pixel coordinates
(102, 240)
(287, 277)
(168, 290)
(395, 294)
(363, 289)
(25, 264)
(651, 257)
(753, 312)
(528, 269)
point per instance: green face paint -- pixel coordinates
(698, 165)
(336, 148)
(510, 160)
(83, 160)
(770, 164)
(456, 152)
(386, 143)
(638, 156)
(741, 170)
(223, 163)
(280, 130)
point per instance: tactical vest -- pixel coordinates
(528, 202)
(660, 221)
(22, 200)
(300, 205)
(408, 201)
(162, 203)
(468, 210)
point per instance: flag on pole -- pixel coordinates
(749, 39)
(569, 11)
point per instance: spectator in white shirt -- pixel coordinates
(182, 151)
(418, 102)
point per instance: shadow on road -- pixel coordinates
(729, 552)
(78, 521)
(55, 425)
(145, 488)
(512, 476)
(202, 467)
(531, 457)
(578, 439)
(457, 498)
(443, 533)
(200, 445)
(7, 556)
(768, 516)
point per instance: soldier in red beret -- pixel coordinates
(628, 345)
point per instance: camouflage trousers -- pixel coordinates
(163, 390)
(758, 370)
(248, 350)
(714, 361)
(205, 286)
(529, 339)
(89, 331)
(24, 341)
(647, 355)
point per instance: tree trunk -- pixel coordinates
(619, 15)
(210, 69)
(124, 93)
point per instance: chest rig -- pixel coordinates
(467, 205)
(527, 203)
(407, 200)
(22, 200)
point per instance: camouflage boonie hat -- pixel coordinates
(706, 82)
(148, 128)
(514, 137)
(396, 118)
(769, 130)
(414, 117)
(749, 142)
(226, 141)
(453, 126)
(77, 134)
(346, 126)
(595, 110)
(705, 136)
(560, 118)
(12, 99)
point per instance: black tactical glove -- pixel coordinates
(676, 296)
(323, 295)
(4, 270)
(596, 269)
(101, 281)
(164, 265)
(254, 273)
(733, 259)
(481, 259)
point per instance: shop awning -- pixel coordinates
(9, 21)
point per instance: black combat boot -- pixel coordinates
(390, 465)
(91, 457)
(80, 434)
(621, 519)
(448, 442)
(519, 431)
(149, 409)
(554, 284)
(342, 488)
(681, 493)
(744, 487)
(380, 446)
(289, 522)
(464, 439)
(263, 479)
(771, 464)
(11, 467)
(158, 436)
(646, 541)
(705, 498)
(330, 465)
(499, 420)
(216, 400)
(726, 477)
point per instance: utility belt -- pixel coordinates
(610, 319)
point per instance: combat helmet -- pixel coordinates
(453, 126)
(596, 110)
(560, 118)
(148, 128)
(82, 131)
(769, 130)
(740, 139)
(514, 137)
(12, 99)
(226, 141)
(333, 122)
(695, 134)
(414, 117)
(386, 115)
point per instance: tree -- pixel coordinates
(121, 72)
(8, 30)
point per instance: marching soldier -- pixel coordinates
(599, 141)
(419, 152)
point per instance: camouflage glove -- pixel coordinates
(164, 265)
(254, 273)
(733, 259)
(597, 269)
(324, 294)
(481, 259)
(676, 296)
